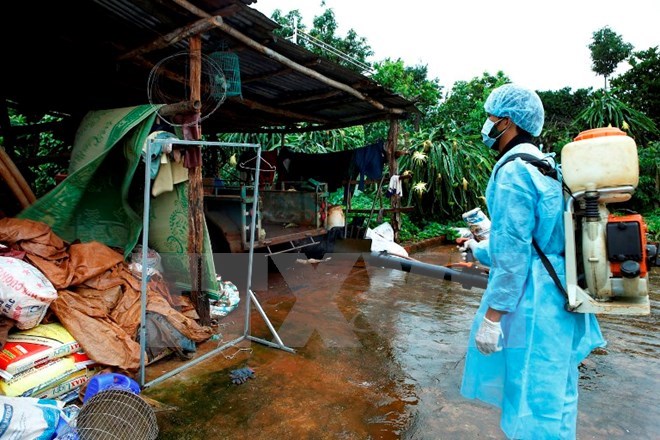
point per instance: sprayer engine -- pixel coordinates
(606, 255)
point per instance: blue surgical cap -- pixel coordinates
(523, 106)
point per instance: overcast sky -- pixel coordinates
(539, 44)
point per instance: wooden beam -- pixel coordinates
(311, 98)
(5, 123)
(180, 108)
(385, 210)
(302, 69)
(250, 79)
(196, 192)
(196, 28)
(276, 111)
(254, 78)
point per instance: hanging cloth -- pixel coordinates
(395, 186)
(369, 161)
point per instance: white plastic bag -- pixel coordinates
(382, 239)
(383, 231)
(25, 293)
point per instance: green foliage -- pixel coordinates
(356, 47)
(424, 230)
(646, 194)
(327, 141)
(449, 173)
(286, 21)
(607, 50)
(410, 82)
(606, 110)
(41, 177)
(561, 109)
(462, 110)
(351, 51)
(639, 87)
(652, 220)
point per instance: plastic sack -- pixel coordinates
(228, 301)
(29, 348)
(33, 381)
(383, 231)
(382, 239)
(25, 293)
(29, 418)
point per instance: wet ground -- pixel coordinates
(379, 355)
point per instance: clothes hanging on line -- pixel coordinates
(331, 168)
(369, 161)
(395, 187)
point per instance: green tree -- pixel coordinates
(640, 85)
(412, 83)
(351, 51)
(287, 22)
(561, 108)
(607, 50)
(463, 107)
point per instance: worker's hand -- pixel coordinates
(488, 337)
(471, 244)
(466, 244)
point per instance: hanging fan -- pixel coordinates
(169, 83)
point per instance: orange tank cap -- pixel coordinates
(599, 132)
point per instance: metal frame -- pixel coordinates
(250, 297)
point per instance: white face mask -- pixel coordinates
(489, 133)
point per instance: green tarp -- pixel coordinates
(102, 197)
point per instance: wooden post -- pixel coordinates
(392, 138)
(196, 196)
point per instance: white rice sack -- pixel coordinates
(29, 418)
(25, 293)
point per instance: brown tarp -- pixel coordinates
(98, 297)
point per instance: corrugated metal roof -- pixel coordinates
(65, 57)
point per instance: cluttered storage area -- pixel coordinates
(112, 270)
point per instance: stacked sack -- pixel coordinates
(44, 362)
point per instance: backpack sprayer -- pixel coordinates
(607, 257)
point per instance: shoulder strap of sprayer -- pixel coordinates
(547, 169)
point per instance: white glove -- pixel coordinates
(488, 337)
(470, 243)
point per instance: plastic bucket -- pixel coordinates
(108, 381)
(336, 216)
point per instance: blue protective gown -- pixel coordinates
(534, 379)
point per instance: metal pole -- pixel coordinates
(250, 295)
(253, 221)
(145, 254)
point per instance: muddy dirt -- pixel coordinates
(379, 355)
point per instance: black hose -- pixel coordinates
(467, 280)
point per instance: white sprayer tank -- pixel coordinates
(604, 157)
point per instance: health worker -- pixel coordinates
(525, 347)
